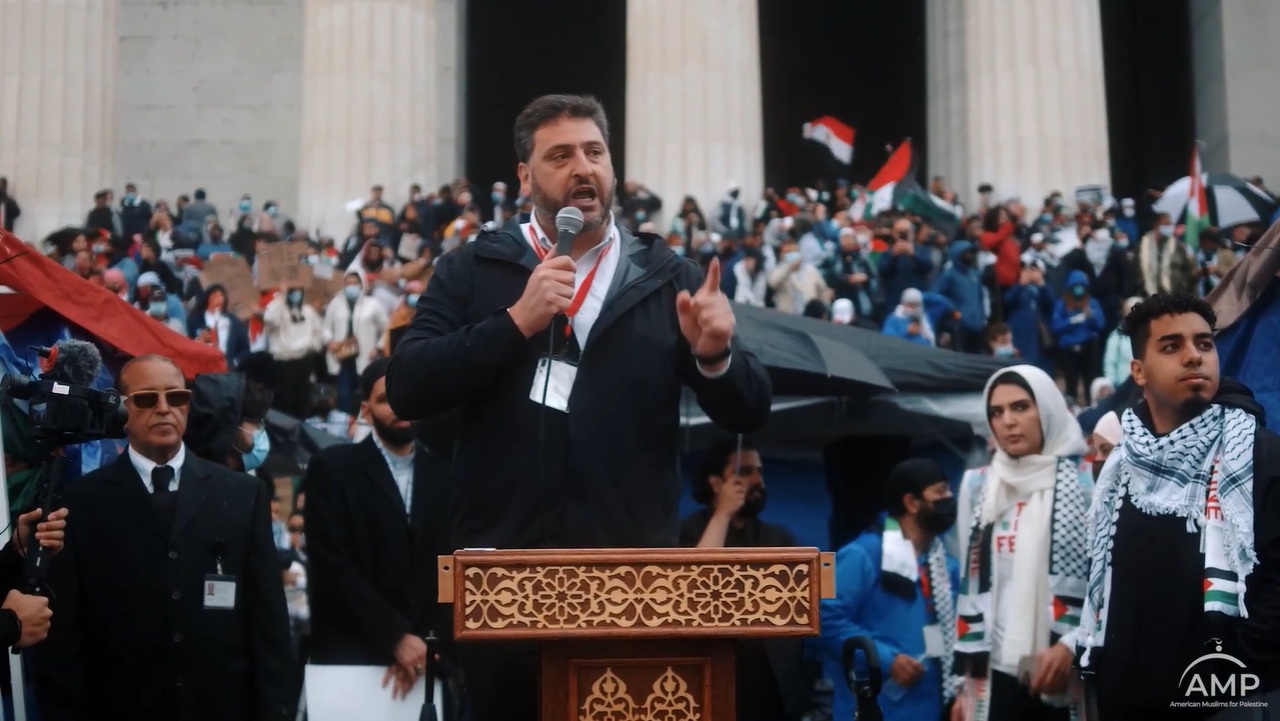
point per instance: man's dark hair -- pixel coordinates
(200, 194)
(714, 461)
(371, 374)
(256, 401)
(910, 476)
(997, 329)
(1137, 325)
(550, 107)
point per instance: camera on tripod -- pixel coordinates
(62, 410)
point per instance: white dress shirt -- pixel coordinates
(589, 311)
(401, 470)
(218, 323)
(145, 465)
(591, 306)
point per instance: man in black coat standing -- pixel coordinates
(567, 372)
(168, 594)
(377, 519)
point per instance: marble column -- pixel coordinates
(369, 103)
(57, 108)
(694, 116)
(1027, 77)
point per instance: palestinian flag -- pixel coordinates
(1220, 591)
(834, 135)
(1066, 610)
(1197, 203)
(969, 629)
(895, 186)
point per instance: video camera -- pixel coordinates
(62, 407)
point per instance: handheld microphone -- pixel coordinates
(569, 223)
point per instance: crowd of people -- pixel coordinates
(232, 594)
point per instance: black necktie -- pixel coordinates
(161, 478)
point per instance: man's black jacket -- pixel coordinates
(603, 474)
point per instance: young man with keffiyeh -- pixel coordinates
(895, 585)
(1184, 536)
(1022, 531)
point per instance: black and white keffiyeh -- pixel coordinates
(1202, 472)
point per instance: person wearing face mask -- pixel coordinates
(770, 685)
(1026, 560)
(498, 198)
(1126, 221)
(243, 211)
(1109, 272)
(1077, 325)
(961, 283)
(295, 333)
(795, 281)
(159, 308)
(250, 444)
(353, 324)
(1164, 263)
(896, 584)
(401, 315)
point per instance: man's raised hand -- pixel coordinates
(706, 318)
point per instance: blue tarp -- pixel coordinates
(1249, 351)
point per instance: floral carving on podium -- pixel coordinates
(669, 700)
(689, 595)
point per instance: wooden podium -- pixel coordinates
(636, 634)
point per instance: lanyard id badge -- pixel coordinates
(553, 383)
(219, 590)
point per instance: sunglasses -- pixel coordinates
(175, 398)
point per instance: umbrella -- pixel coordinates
(802, 362)
(1232, 200)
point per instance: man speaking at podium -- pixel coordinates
(565, 356)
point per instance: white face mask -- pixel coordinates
(1166, 231)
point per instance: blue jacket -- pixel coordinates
(1030, 307)
(962, 285)
(899, 272)
(895, 624)
(1072, 329)
(896, 326)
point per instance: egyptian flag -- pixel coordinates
(895, 186)
(832, 134)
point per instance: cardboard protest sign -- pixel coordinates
(232, 273)
(283, 264)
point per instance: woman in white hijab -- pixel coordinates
(1023, 532)
(1107, 434)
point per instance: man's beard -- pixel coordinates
(1193, 407)
(547, 206)
(393, 435)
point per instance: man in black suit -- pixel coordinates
(377, 518)
(168, 594)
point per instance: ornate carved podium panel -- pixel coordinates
(636, 634)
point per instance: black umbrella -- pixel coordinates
(806, 363)
(293, 442)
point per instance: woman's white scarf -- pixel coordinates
(1027, 631)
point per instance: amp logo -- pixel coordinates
(1217, 675)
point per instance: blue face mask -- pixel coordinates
(1004, 351)
(294, 297)
(1077, 291)
(411, 300)
(677, 249)
(271, 210)
(130, 197)
(245, 207)
(352, 292)
(497, 198)
(641, 215)
(257, 455)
